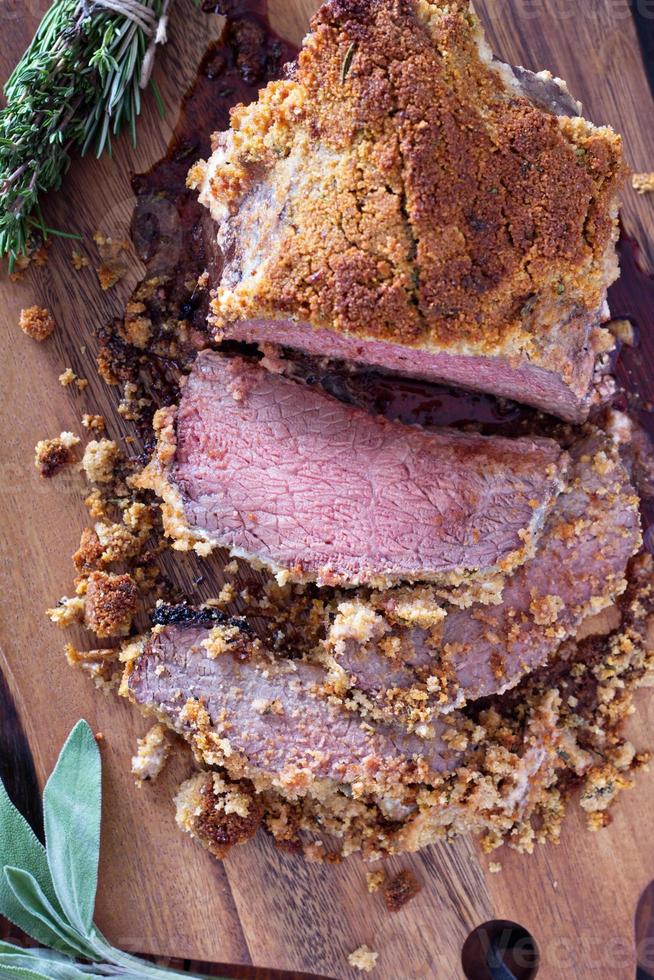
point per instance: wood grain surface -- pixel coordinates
(159, 892)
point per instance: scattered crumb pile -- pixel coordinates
(573, 710)
(117, 570)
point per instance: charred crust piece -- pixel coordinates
(400, 890)
(184, 614)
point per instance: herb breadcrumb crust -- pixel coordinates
(401, 187)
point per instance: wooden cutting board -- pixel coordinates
(159, 892)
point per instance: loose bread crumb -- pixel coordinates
(95, 423)
(51, 455)
(219, 813)
(219, 640)
(67, 612)
(111, 603)
(99, 460)
(79, 261)
(623, 331)
(363, 958)
(643, 183)
(88, 557)
(151, 754)
(108, 277)
(113, 266)
(67, 377)
(374, 880)
(400, 890)
(36, 322)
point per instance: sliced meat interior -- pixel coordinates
(271, 721)
(281, 740)
(289, 477)
(405, 200)
(579, 568)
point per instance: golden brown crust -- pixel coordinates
(88, 557)
(36, 322)
(111, 603)
(416, 183)
(155, 477)
(99, 460)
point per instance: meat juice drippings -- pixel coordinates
(632, 298)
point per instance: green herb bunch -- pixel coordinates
(49, 892)
(78, 83)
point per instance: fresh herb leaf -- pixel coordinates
(71, 816)
(38, 918)
(79, 80)
(20, 846)
(38, 962)
(49, 892)
(347, 61)
(20, 973)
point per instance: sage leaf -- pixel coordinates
(49, 892)
(39, 919)
(71, 815)
(21, 973)
(20, 846)
(24, 965)
(45, 962)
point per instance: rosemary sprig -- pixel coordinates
(78, 83)
(49, 892)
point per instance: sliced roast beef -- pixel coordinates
(405, 653)
(271, 721)
(288, 476)
(406, 201)
(291, 753)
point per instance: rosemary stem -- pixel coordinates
(76, 86)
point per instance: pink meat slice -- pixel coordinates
(272, 715)
(287, 475)
(579, 567)
(568, 397)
